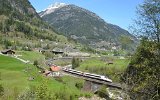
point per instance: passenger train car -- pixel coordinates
(89, 75)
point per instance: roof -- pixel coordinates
(55, 68)
(7, 50)
(57, 50)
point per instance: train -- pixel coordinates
(89, 75)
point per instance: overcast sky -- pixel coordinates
(118, 12)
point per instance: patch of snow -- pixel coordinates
(52, 8)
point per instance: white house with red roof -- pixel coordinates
(55, 70)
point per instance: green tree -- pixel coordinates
(142, 74)
(75, 62)
(115, 53)
(125, 42)
(49, 54)
(148, 21)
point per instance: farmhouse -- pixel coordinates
(57, 52)
(8, 51)
(55, 70)
(54, 51)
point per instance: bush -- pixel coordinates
(1, 90)
(41, 92)
(35, 63)
(62, 94)
(0, 76)
(103, 93)
(79, 85)
(88, 95)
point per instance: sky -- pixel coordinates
(118, 12)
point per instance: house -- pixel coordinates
(57, 51)
(55, 70)
(8, 51)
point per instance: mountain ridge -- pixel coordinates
(84, 26)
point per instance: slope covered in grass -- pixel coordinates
(30, 55)
(101, 66)
(14, 77)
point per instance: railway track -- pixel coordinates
(93, 78)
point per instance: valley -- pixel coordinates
(30, 47)
(29, 74)
(69, 52)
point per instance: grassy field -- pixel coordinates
(12, 75)
(97, 63)
(30, 55)
(100, 66)
(14, 79)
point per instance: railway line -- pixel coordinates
(100, 79)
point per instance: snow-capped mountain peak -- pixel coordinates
(52, 8)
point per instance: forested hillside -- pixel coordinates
(20, 25)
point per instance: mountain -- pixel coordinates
(52, 8)
(22, 7)
(83, 25)
(21, 25)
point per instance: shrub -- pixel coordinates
(41, 92)
(35, 63)
(1, 90)
(79, 85)
(102, 92)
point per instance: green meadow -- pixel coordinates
(14, 77)
(30, 55)
(101, 66)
